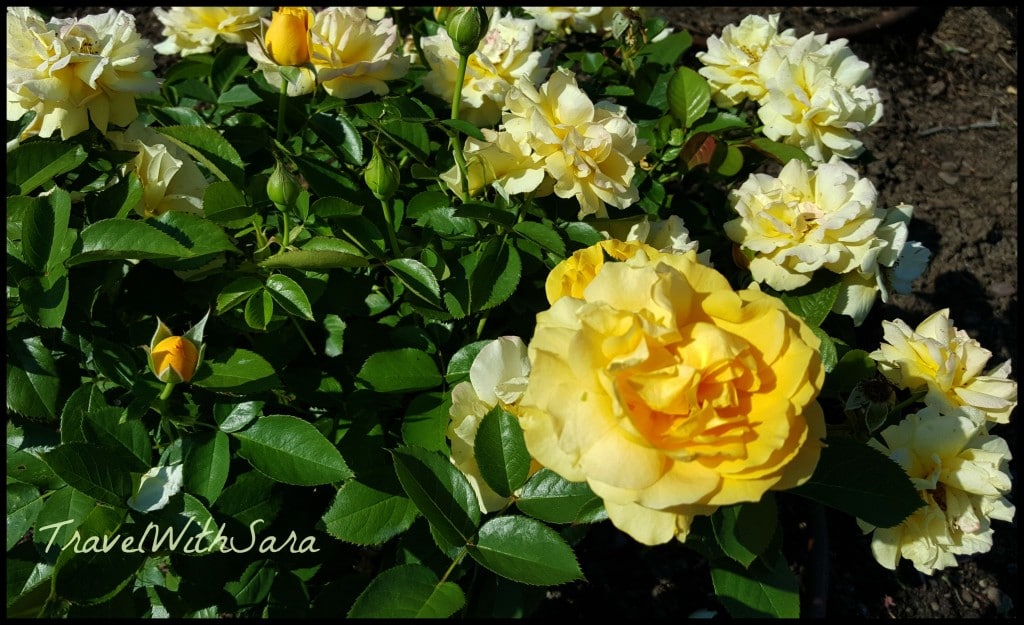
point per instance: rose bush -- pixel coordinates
(458, 285)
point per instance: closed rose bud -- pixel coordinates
(381, 175)
(287, 38)
(282, 188)
(174, 359)
(466, 26)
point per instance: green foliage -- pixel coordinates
(334, 318)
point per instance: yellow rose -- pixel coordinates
(195, 30)
(573, 274)
(70, 71)
(355, 55)
(962, 475)
(174, 359)
(287, 38)
(948, 363)
(730, 63)
(670, 393)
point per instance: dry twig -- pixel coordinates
(992, 123)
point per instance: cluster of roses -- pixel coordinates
(669, 392)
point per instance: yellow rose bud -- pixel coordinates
(287, 38)
(174, 359)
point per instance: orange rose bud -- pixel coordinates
(287, 38)
(174, 359)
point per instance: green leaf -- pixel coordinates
(253, 586)
(235, 416)
(764, 590)
(667, 51)
(862, 482)
(426, 420)
(113, 239)
(200, 236)
(465, 128)
(827, 349)
(745, 530)
(550, 497)
(324, 180)
(459, 365)
(236, 292)
(340, 136)
(127, 440)
(65, 504)
(290, 296)
(224, 203)
(239, 95)
(45, 297)
(23, 507)
(95, 576)
(688, 96)
(259, 309)
(814, 300)
(543, 235)
(317, 259)
(408, 591)
(501, 453)
(93, 470)
(207, 146)
(227, 65)
(32, 380)
(496, 275)
(206, 459)
(526, 551)
(238, 371)
(778, 151)
(328, 207)
(44, 228)
(442, 494)
(369, 511)
(418, 278)
(335, 342)
(400, 370)
(854, 366)
(290, 450)
(34, 164)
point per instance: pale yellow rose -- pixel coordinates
(496, 377)
(354, 55)
(670, 393)
(961, 473)
(70, 71)
(808, 219)
(670, 235)
(570, 277)
(596, 20)
(196, 30)
(816, 98)
(589, 150)
(948, 363)
(500, 159)
(731, 61)
(504, 55)
(170, 179)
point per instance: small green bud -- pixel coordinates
(381, 175)
(466, 26)
(282, 188)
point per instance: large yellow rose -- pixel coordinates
(669, 392)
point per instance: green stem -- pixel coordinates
(455, 562)
(460, 159)
(282, 106)
(389, 219)
(285, 227)
(312, 350)
(164, 394)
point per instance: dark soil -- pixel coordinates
(947, 144)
